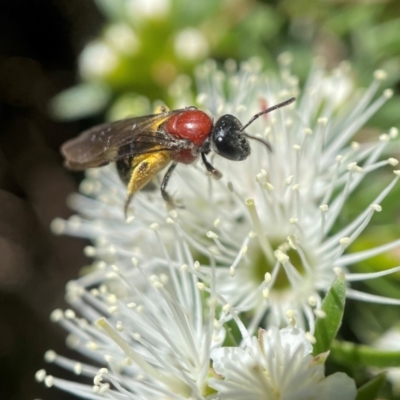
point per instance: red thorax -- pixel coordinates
(193, 125)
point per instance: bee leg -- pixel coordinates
(210, 169)
(168, 199)
(145, 168)
(128, 200)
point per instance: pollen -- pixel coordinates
(50, 356)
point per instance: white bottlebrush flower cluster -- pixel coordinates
(277, 366)
(165, 284)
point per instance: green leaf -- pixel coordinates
(370, 390)
(361, 355)
(232, 334)
(333, 306)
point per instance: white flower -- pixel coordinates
(153, 333)
(277, 366)
(267, 224)
(390, 341)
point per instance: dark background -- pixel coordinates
(39, 43)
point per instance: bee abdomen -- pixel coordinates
(125, 168)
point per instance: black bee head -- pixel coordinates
(228, 139)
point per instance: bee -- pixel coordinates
(143, 146)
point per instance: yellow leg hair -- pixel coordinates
(145, 167)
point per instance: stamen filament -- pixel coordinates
(168, 380)
(265, 245)
(370, 275)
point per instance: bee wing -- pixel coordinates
(108, 142)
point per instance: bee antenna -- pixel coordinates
(264, 142)
(268, 110)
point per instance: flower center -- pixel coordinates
(261, 265)
(208, 390)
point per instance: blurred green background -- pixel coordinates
(68, 64)
(144, 45)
